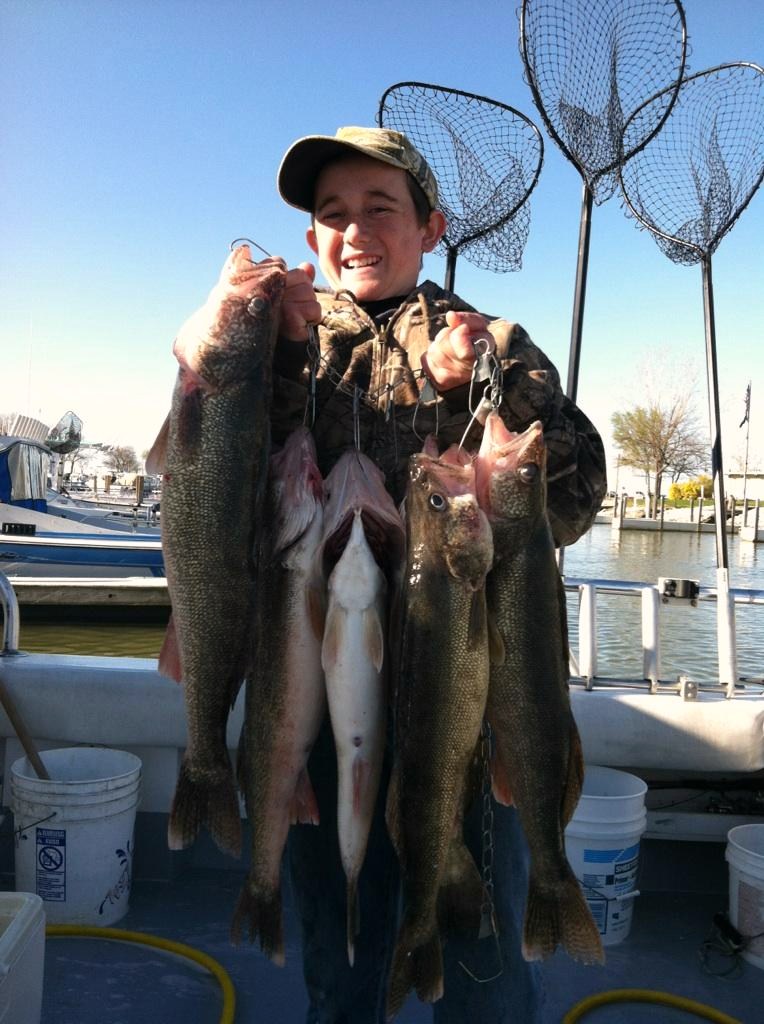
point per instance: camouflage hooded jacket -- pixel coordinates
(368, 384)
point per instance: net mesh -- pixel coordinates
(693, 180)
(590, 64)
(486, 157)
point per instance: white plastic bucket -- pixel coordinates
(745, 856)
(74, 832)
(602, 845)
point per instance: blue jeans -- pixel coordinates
(340, 994)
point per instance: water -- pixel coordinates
(688, 635)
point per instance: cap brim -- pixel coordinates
(303, 162)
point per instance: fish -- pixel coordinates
(441, 687)
(537, 761)
(285, 700)
(353, 652)
(213, 453)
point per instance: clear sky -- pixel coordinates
(140, 137)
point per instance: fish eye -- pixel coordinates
(437, 501)
(528, 472)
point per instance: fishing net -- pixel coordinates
(590, 64)
(487, 159)
(693, 180)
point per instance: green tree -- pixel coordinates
(657, 439)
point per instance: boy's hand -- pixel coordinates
(299, 306)
(450, 357)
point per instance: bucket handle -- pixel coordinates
(18, 832)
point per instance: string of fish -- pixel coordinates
(486, 370)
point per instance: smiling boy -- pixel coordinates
(373, 203)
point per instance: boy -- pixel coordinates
(374, 211)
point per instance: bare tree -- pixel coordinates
(657, 439)
(6, 418)
(122, 459)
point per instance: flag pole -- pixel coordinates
(747, 421)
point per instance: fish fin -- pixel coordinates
(213, 804)
(316, 601)
(561, 918)
(293, 521)
(169, 656)
(460, 896)
(262, 918)
(392, 811)
(575, 780)
(419, 967)
(500, 787)
(303, 810)
(374, 638)
(563, 605)
(333, 633)
(353, 917)
(156, 460)
(496, 650)
(477, 620)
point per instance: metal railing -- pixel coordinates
(584, 668)
(651, 596)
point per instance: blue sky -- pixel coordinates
(141, 136)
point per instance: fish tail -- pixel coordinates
(561, 918)
(262, 918)
(200, 802)
(420, 968)
(353, 917)
(460, 897)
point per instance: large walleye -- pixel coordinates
(354, 653)
(213, 452)
(442, 683)
(538, 761)
(285, 698)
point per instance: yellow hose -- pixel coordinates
(645, 995)
(179, 948)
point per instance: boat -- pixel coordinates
(38, 536)
(699, 747)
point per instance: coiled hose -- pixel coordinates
(645, 995)
(170, 946)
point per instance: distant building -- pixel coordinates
(754, 486)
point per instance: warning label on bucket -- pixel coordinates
(51, 864)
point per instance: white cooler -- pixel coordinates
(22, 957)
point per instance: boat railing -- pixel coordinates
(584, 667)
(10, 606)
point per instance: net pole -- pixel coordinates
(714, 417)
(725, 607)
(450, 269)
(579, 295)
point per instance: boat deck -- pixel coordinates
(93, 980)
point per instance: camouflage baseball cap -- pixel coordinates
(305, 159)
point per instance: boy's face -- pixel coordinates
(365, 230)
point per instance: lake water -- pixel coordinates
(688, 635)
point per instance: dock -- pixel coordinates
(137, 594)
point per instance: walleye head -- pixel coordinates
(511, 472)
(444, 518)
